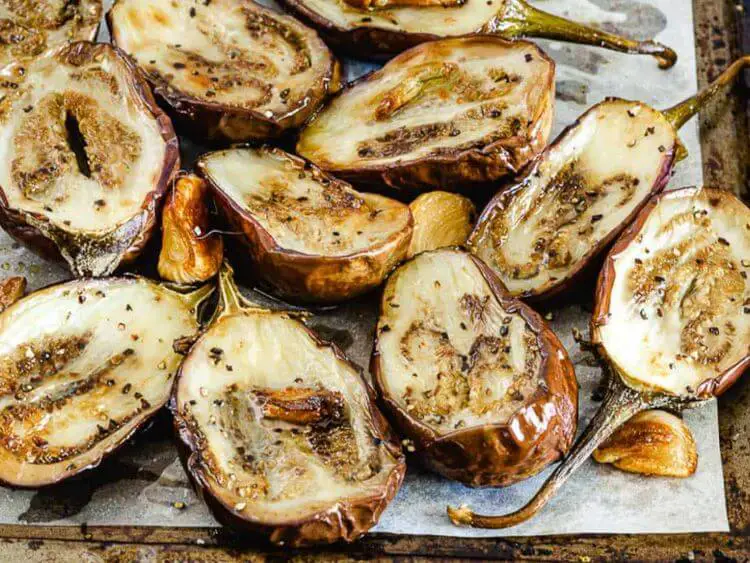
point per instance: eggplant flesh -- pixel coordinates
(280, 432)
(28, 28)
(446, 114)
(235, 69)
(463, 18)
(82, 366)
(312, 236)
(85, 154)
(458, 360)
(673, 307)
(540, 233)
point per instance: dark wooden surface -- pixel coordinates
(725, 143)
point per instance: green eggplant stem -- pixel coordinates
(231, 301)
(519, 19)
(681, 113)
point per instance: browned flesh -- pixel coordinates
(11, 290)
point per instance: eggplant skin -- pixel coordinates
(345, 521)
(309, 277)
(462, 170)
(137, 230)
(491, 455)
(222, 123)
(602, 298)
(589, 266)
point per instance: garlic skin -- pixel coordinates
(441, 219)
(653, 442)
(187, 255)
(11, 290)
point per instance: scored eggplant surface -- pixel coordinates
(311, 236)
(676, 284)
(449, 114)
(474, 377)
(30, 27)
(574, 199)
(83, 365)
(85, 156)
(231, 69)
(279, 431)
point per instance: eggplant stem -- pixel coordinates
(681, 113)
(619, 405)
(196, 297)
(231, 300)
(519, 19)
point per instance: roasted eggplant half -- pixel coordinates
(83, 365)
(190, 253)
(382, 28)
(28, 28)
(671, 320)
(472, 377)
(544, 233)
(85, 157)
(279, 432)
(311, 236)
(451, 115)
(230, 70)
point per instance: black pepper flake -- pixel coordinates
(714, 330)
(723, 241)
(137, 395)
(126, 388)
(596, 218)
(463, 326)
(210, 93)
(644, 316)
(385, 328)
(504, 330)
(662, 148)
(192, 12)
(82, 299)
(528, 57)
(128, 307)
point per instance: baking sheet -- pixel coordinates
(145, 485)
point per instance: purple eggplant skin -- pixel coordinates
(589, 265)
(134, 233)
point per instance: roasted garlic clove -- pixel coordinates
(187, 254)
(653, 442)
(11, 290)
(440, 219)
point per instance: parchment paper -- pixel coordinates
(144, 483)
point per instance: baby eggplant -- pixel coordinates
(28, 28)
(671, 320)
(546, 231)
(473, 377)
(449, 115)
(85, 157)
(279, 432)
(230, 70)
(380, 28)
(310, 235)
(83, 365)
